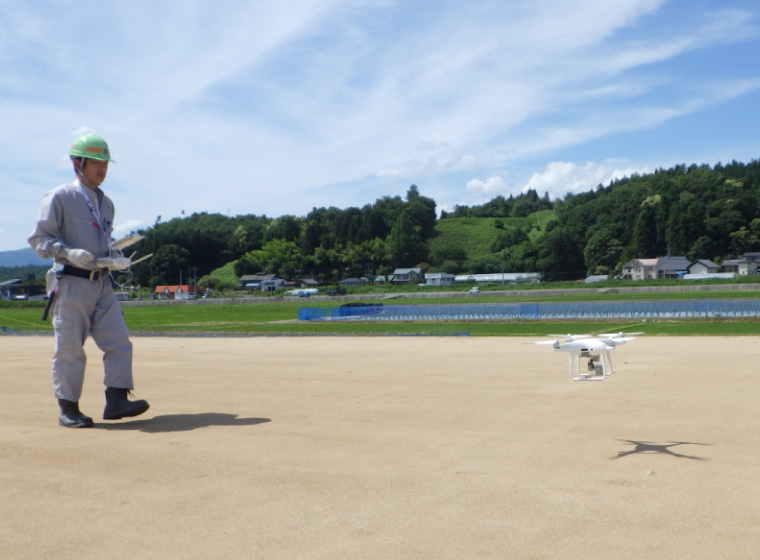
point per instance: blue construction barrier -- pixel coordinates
(674, 309)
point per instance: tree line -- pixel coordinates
(696, 211)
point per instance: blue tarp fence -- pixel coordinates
(545, 311)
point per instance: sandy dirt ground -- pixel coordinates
(387, 448)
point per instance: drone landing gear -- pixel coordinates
(594, 371)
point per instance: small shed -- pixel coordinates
(439, 278)
(702, 266)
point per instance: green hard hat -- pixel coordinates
(90, 146)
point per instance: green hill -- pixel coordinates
(473, 240)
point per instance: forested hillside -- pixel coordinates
(697, 211)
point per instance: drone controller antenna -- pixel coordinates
(126, 241)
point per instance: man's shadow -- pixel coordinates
(663, 448)
(183, 422)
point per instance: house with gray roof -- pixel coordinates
(703, 266)
(263, 282)
(742, 267)
(672, 267)
(403, 276)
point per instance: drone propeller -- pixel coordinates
(554, 342)
(619, 334)
(570, 337)
(614, 341)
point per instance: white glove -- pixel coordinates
(79, 257)
(114, 263)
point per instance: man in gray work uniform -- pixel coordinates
(73, 226)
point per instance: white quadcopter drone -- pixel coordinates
(596, 348)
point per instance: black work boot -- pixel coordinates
(119, 406)
(71, 417)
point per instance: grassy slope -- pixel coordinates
(226, 274)
(475, 235)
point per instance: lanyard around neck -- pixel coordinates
(94, 211)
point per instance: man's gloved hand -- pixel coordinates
(79, 257)
(114, 263)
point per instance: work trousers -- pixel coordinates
(82, 307)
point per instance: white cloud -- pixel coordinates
(558, 179)
(429, 159)
(125, 228)
(561, 178)
(488, 189)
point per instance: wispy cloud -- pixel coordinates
(273, 107)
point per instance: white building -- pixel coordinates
(439, 278)
(741, 267)
(640, 269)
(501, 278)
(702, 266)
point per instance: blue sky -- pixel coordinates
(249, 107)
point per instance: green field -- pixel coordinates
(279, 317)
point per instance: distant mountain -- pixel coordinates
(21, 257)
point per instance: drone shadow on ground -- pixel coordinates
(183, 422)
(658, 448)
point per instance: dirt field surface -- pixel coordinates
(387, 448)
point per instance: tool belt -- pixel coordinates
(91, 275)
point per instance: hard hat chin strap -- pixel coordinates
(80, 173)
